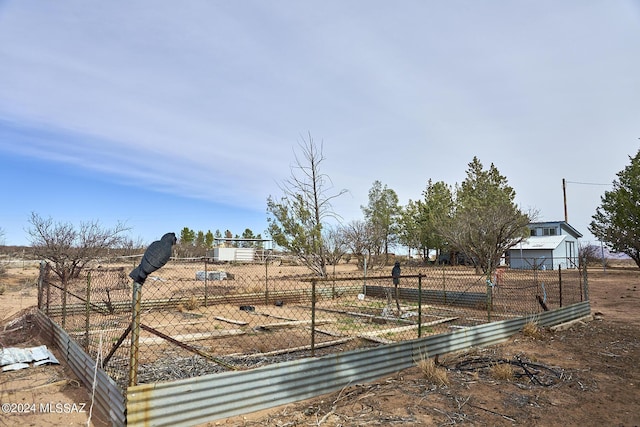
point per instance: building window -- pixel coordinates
(549, 231)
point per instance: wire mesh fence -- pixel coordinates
(196, 317)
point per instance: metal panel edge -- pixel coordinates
(109, 397)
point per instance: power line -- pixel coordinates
(586, 183)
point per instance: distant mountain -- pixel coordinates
(597, 250)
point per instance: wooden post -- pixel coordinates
(564, 197)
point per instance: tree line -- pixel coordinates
(196, 243)
(477, 217)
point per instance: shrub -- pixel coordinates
(532, 330)
(501, 371)
(432, 372)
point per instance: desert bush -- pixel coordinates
(432, 372)
(532, 330)
(591, 255)
(501, 371)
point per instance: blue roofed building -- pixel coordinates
(551, 245)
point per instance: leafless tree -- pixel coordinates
(298, 217)
(335, 245)
(67, 248)
(360, 239)
(590, 254)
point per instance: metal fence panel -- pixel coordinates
(199, 317)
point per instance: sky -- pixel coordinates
(164, 115)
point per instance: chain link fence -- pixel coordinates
(196, 317)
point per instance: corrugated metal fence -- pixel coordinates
(207, 398)
(201, 399)
(109, 398)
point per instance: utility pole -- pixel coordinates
(564, 195)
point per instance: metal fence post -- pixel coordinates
(313, 317)
(206, 280)
(64, 302)
(87, 305)
(40, 283)
(46, 278)
(560, 283)
(586, 282)
(266, 280)
(419, 305)
(135, 334)
(444, 285)
(489, 296)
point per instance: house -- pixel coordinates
(552, 245)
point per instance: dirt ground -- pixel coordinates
(584, 375)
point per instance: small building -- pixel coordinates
(236, 249)
(232, 254)
(552, 245)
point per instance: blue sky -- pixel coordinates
(166, 115)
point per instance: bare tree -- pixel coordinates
(335, 245)
(590, 254)
(360, 239)
(297, 218)
(68, 249)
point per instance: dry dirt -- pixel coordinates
(584, 375)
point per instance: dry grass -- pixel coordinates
(532, 330)
(501, 371)
(432, 372)
(189, 305)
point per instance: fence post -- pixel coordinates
(489, 296)
(87, 305)
(266, 280)
(64, 302)
(135, 334)
(313, 317)
(560, 283)
(419, 305)
(46, 272)
(586, 281)
(206, 278)
(444, 285)
(40, 289)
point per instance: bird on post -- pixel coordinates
(395, 273)
(156, 255)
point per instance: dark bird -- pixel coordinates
(156, 255)
(395, 273)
